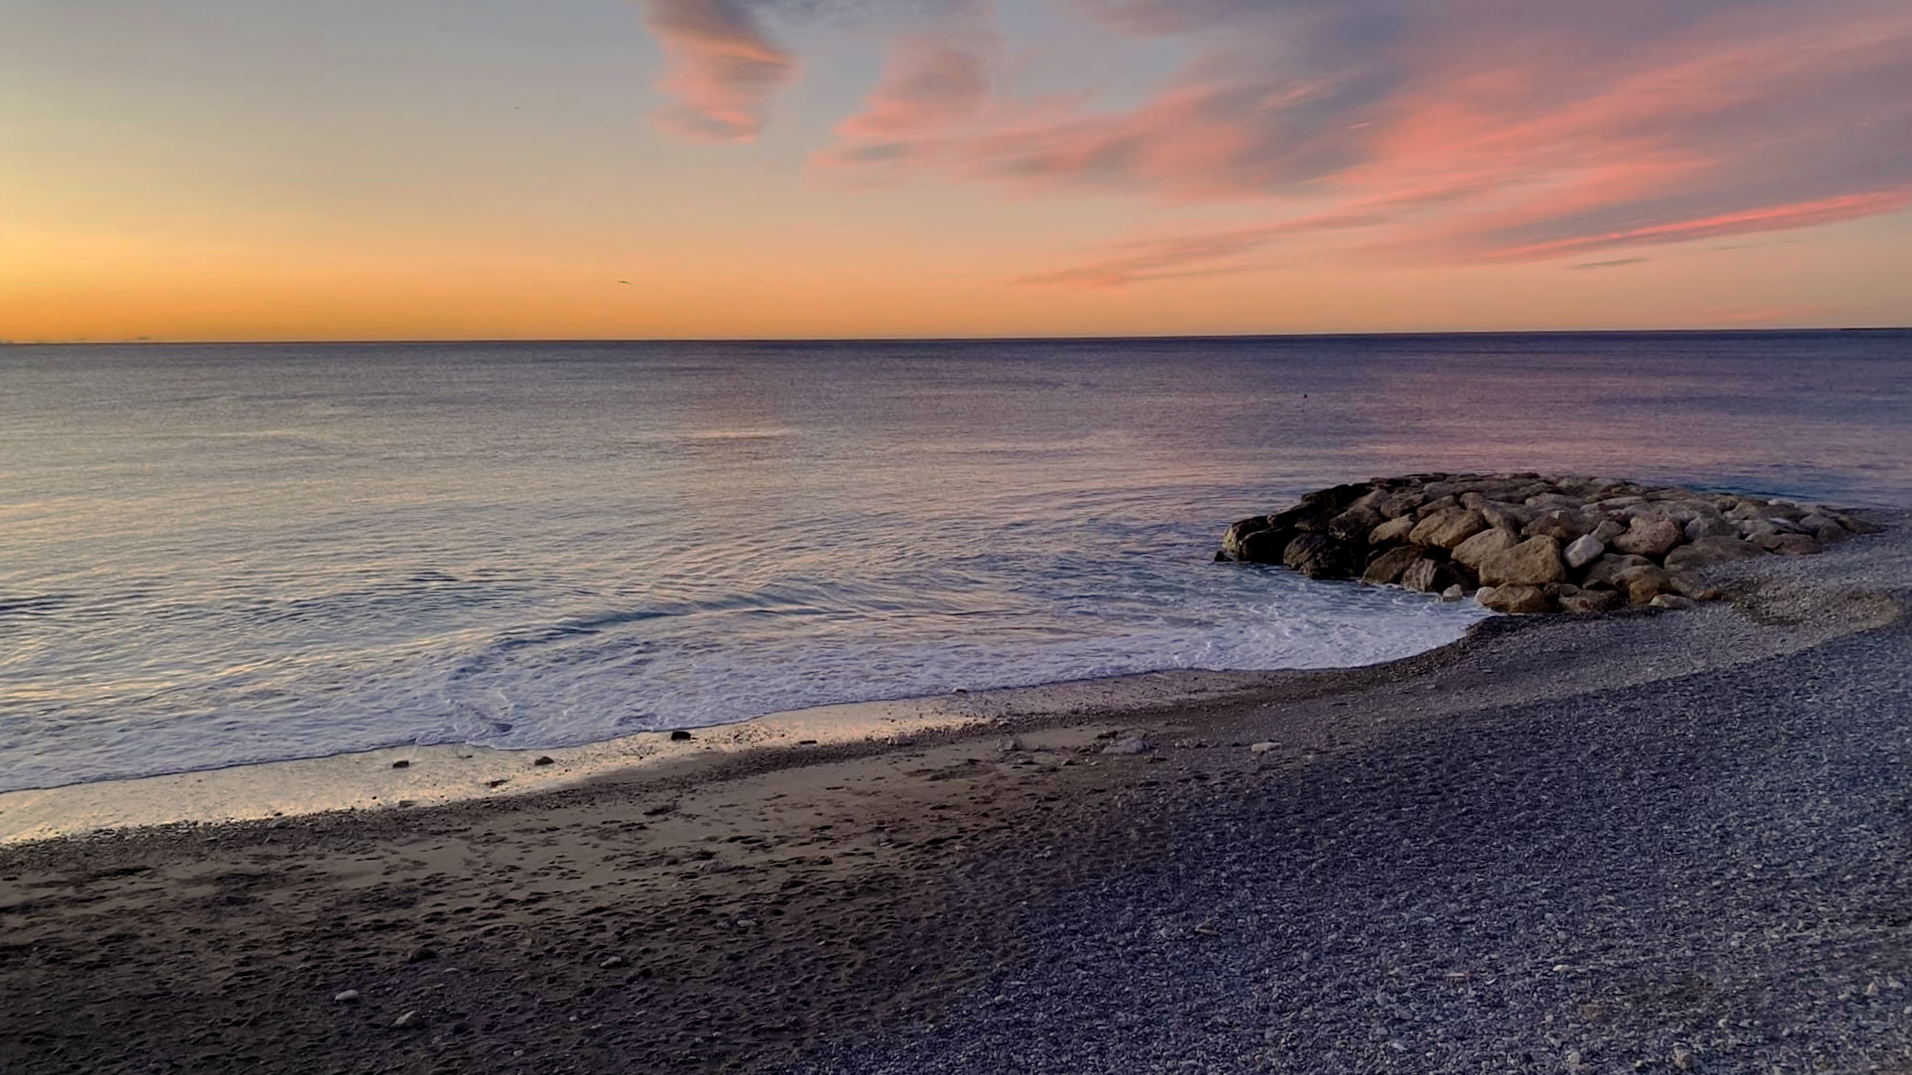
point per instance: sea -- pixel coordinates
(213, 555)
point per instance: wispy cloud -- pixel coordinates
(1465, 131)
(722, 68)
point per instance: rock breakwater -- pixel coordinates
(1532, 542)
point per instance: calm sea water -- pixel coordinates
(221, 554)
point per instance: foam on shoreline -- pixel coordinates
(1808, 598)
(439, 774)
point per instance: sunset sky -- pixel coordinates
(270, 169)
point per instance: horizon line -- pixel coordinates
(142, 341)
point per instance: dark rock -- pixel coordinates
(545, 761)
(1237, 533)
(1353, 524)
(1265, 546)
(680, 735)
(1318, 557)
(401, 764)
(1391, 565)
(1428, 575)
(1399, 504)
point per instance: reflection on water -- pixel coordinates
(217, 554)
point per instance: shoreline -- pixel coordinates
(443, 774)
(771, 910)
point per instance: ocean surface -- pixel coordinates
(212, 555)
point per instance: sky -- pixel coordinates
(510, 169)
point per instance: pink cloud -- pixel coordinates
(1476, 130)
(722, 69)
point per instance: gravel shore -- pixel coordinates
(1639, 841)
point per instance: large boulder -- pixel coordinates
(1649, 536)
(1391, 565)
(1471, 552)
(1534, 562)
(1448, 527)
(1234, 539)
(1319, 557)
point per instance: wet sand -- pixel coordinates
(869, 906)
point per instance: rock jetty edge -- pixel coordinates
(1530, 543)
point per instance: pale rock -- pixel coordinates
(1647, 536)
(1514, 598)
(409, 1019)
(1456, 592)
(1471, 552)
(1448, 528)
(1263, 748)
(1534, 562)
(1134, 744)
(1584, 550)
(1392, 531)
(350, 996)
(1608, 530)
